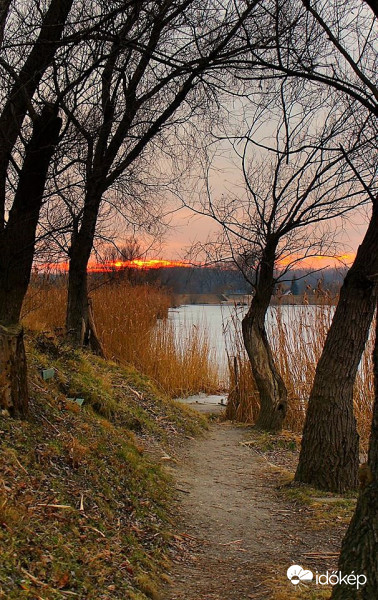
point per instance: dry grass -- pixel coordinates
(297, 336)
(243, 398)
(132, 323)
(45, 303)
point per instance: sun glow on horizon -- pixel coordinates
(120, 265)
(296, 261)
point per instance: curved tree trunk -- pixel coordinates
(329, 455)
(359, 552)
(26, 83)
(270, 385)
(79, 318)
(17, 243)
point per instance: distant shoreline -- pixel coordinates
(245, 299)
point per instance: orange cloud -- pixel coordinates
(317, 262)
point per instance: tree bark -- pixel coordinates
(30, 74)
(329, 455)
(17, 243)
(77, 299)
(13, 380)
(80, 326)
(359, 552)
(4, 8)
(17, 240)
(270, 385)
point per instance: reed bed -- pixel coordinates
(243, 399)
(297, 335)
(44, 307)
(132, 323)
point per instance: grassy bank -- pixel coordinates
(83, 497)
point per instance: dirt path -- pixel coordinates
(235, 532)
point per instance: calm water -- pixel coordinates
(218, 322)
(213, 319)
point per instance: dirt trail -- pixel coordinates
(235, 531)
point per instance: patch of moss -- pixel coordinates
(267, 442)
(327, 509)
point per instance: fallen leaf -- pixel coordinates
(63, 580)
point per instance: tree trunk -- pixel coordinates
(17, 243)
(271, 388)
(79, 319)
(25, 85)
(4, 8)
(17, 240)
(77, 300)
(329, 455)
(359, 552)
(13, 381)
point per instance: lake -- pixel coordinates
(217, 321)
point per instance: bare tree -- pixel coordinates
(16, 263)
(17, 231)
(326, 50)
(163, 63)
(139, 63)
(299, 184)
(29, 131)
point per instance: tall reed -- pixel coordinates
(132, 324)
(45, 303)
(243, 399)
(297, 335)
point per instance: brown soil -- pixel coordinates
(237, 534)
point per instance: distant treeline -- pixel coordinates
(219, 280)
(299, 281)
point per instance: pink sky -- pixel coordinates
(188, 228)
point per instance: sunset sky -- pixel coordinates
(187, 229)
